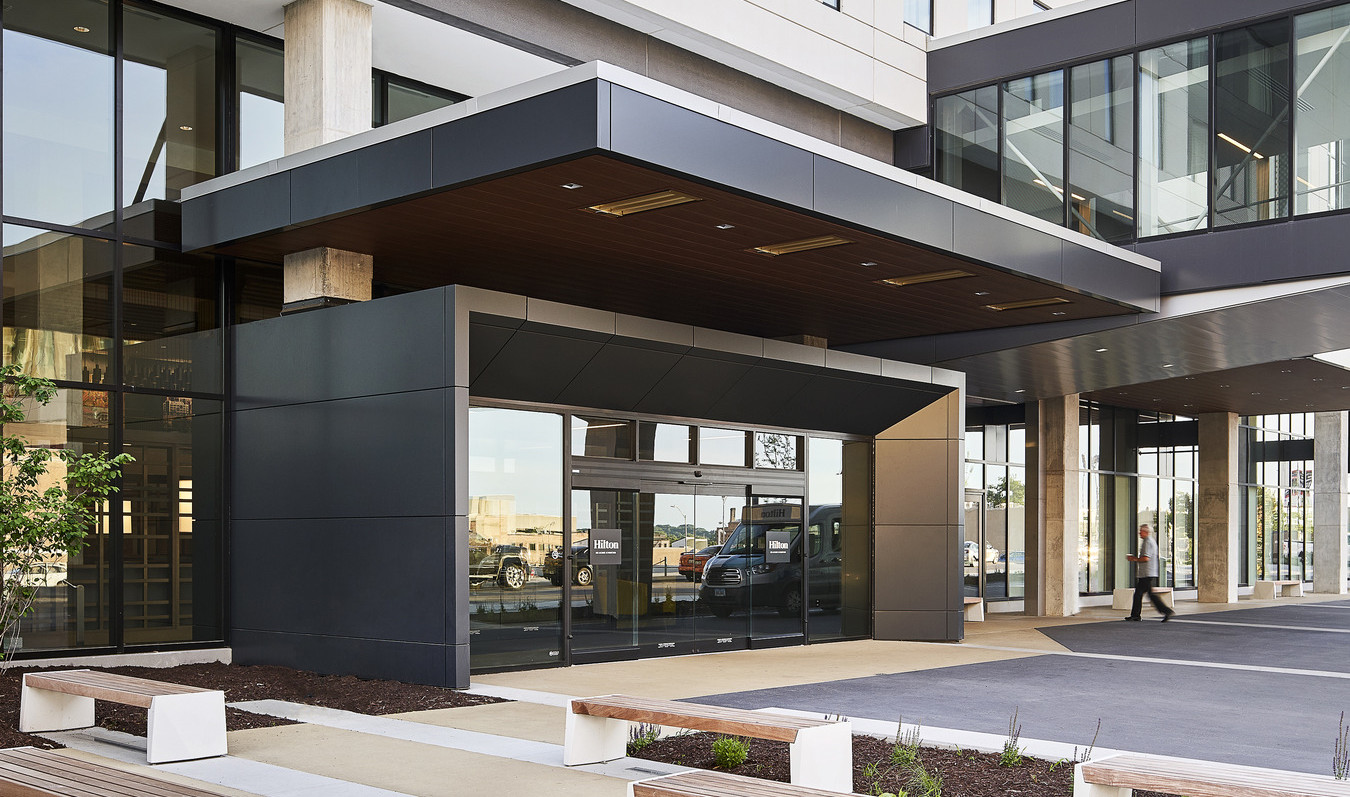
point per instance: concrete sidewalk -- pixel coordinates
(1262, 684)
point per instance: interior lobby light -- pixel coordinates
(640, 204)
(1025, 303)
(571, 186)
(185, 128)
(932, 276)
(803, 245)
(1240, 146)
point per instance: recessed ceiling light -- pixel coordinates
(932, 276)
(726, 226)
(81, 29)
(1167, 365)
(1156, 399)
(1059, 312)
(1317, 379)
(1223, 385)
(868, 263)
(642, 204)
(1189, 378)
(185, 128)
(1102, 350)
(1188, 405)
(981, 293)
(1286, 371)
(571, 186)
(1284, 399)
(1025, 303)
(1023, 390)
(803, 245)
(1256, 392)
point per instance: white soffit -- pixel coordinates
(405, 44)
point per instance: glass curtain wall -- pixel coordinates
(1033, 145)
(919, 14)
(1277, 465)
(1251, 124)
(979, 13)
(1167, 489)
(1279, 129)
(967, 142)
(1322, 110)
(1101, 149)
(1174, 145)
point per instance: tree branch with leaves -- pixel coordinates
(41, 517)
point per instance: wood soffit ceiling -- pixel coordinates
(1303, 385)
(526, 234)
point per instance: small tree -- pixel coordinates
(40, 517)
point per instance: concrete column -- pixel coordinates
(1329, 492)
(324, 277)
(328, 61)
(1057, 510)
(1218, 509)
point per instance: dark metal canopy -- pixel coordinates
(499, 199)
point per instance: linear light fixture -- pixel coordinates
(805, 244)
(640, 204)
(1025, 303)
(932, 276)
(1241, 146)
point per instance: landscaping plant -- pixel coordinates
(44, 513)
(1012, 754)
(641, 734)
(1340, 757)
(730, 752)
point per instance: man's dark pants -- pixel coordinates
(1144, 586)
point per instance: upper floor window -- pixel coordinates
(831, 3)
(919, 13)
(979, 13)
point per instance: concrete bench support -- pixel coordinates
(974, 610)
(1124, 598)
(1266, 590)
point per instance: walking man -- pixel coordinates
(1146, 575)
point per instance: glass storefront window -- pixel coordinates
(1173, 146)
(721, 446)
(259, 72)
(966, 127)
(72, 608)
(171, 519)
(777, 451)
(171, 322)
(406, 101)
(1322, 115)
(515, 521)
(979, 13)
(58, 304)
(1033, 145)
(1101, 149)
(664, 442)
(169, 118)
(602, 437)
(1251, 124)
(58, 112)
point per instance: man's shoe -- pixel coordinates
(1168, 616)
(1133, 619)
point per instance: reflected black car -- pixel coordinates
(582, 574)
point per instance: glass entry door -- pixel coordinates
(643, 596)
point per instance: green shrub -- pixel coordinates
(730, 752)
(640, 735)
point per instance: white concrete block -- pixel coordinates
(591, 740)
(44, 710)
(187, 726)
(822, 757)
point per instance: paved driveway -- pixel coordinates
(1262, 686)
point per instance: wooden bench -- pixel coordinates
(821, 750)
(30, 772)
(1117, 776)
(185, 722)
(974, 610)
(706, 783)
(1265, 590)
(1124, 598)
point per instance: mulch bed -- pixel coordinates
(964, 774)
(242, 683)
